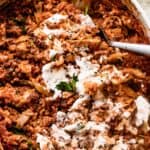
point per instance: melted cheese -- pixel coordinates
(120, 146)
(87, 70)
(86, 20)
(79, 102)
(52, 32)
(97, 104)
(73, 116)
(117, 108)
(99, 142)
(52, 77)
(73, 127)
(72, 71)
(143, 110)
(56, 18)
(132, 141)
(60, 116)
(101, 127)
(44, 142)
(52, 53)
(57, 48)
(60, 135)
(126, 114)
(113, 75)
(49, 32)
(90, 125)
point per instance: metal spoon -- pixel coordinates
(138, 48)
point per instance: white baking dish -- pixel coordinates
(139, 13)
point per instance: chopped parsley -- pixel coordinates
(86, 10)
(16, 130)
(53, 58)
(30, 145)
(68, 86)
(80, 126)
(21, 24)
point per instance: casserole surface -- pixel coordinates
(63, 87)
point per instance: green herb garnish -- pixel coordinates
(86, 10)
(64, 86)
(21, 24)
(80, 126)
(23, 28)
(53, 58)
(75, 78)
(68, 86)
(16, 130)
(30, 145)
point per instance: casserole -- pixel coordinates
(61, 85)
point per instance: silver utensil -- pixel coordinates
(137, 48)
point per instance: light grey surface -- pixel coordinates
(146, 6)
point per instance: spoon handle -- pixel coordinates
(138, 48)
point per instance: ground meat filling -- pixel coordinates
(61, 85)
